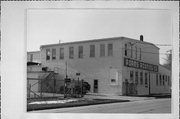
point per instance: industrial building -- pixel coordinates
(117, 65)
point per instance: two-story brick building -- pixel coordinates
(118, 65)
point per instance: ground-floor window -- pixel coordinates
(95, 86)
(163, 80)
(136, 79)
(168, 81)
(146, 78)
(141, 78)
(157, 80)
(160, 79)
(131, 76)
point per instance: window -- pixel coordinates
(113, 80)
(157, 79)
(71, 52)
(136, 52)
(136, 77)
(131, 76)
(131, 51)
(146, 78)
(160, 79)
(92, 50)
(31, 57)
(80, 52)
(166, 78)
(110, 49)
(141, 78)
(168, 81)
(47, 54)
(53, 54)
(61, 53)
(140, 53)
(102, 50)
(163, 80)
(125, 52)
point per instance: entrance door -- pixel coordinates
(95, 86)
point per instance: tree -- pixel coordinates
(168, 62)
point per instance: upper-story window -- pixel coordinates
(53, 54)
(61, 53)
(80, 53)
(47, 54)
(136, 52)
(131, 51)
(140, 53)
(102, 50)
(92, 51)
(71, 52)
(125, 51)
(110, 49)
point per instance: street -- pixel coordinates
(142, 106)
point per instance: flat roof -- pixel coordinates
(33, 52)
(98, 40)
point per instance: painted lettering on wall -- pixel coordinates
(140, 65)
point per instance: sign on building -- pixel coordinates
(140, 65)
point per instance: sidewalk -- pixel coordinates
(105, 96)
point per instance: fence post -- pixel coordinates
(41, 89)
(78, 87)
(72, 87)
(64, 89)
(54, 85)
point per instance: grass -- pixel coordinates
(80, 102)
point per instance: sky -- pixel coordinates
(49, 26)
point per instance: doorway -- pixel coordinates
(95, 86)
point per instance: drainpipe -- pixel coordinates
(149, 84)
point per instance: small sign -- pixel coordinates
(78, 74)
(67, 80)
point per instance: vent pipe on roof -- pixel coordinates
(141, 37)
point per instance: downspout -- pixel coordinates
(149, 84)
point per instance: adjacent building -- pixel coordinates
(34, 56)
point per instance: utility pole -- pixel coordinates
(66, 70)
(65, 81)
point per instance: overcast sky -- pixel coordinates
(48, 26)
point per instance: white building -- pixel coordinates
(118, 65)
